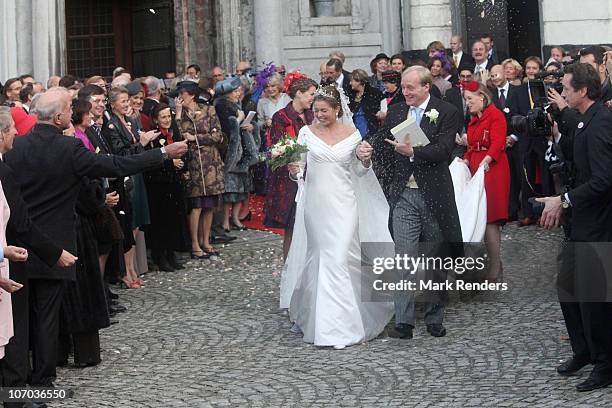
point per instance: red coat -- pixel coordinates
(487, 136)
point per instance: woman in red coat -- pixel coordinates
(487, 148)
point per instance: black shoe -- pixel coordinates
(112, 295)
(203, 256)
(164, 265)
(595, 381)
(401, 331)
(222, 239)
(436, 330)
(572, 365)
(173, 261)
(116, 308)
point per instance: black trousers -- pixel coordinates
(516, 179)
(45, 302)
(528, 186)
(166, 211)
(15, 366)
(590, 331)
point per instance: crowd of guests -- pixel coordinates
(194, 200)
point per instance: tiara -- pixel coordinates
(322, 92)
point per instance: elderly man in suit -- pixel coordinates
(420, 192)
(582, 279)
(49, 167)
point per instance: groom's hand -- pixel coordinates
(402, 148)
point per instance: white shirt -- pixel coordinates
(340, 80)
(422, 106)
(481, 67)
(505, 88)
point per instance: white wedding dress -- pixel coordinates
(340, 206)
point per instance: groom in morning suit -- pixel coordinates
(420, 190)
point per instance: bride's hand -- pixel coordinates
(294, 169)
(364, 151)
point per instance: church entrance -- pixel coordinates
(136, 34)
(514, 25)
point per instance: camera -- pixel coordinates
(536, 123)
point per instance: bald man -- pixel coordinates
(49, 167)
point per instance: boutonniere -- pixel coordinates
(432, 115)
(111, 126)
(162, 141)
(506, 110)
(97, 149)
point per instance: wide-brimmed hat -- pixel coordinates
(186, 85)
(23, 121)
(380, 56)
(227, 85)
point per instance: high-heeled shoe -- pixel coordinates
(211, 251)
(237, 227)
(204, 255)
(246, 217)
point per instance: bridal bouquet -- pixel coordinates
(285, 151)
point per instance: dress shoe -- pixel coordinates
(114, 309)
(222, 239)
(401, 331)
(436, 330)
(572, 365)
(112, 295)
(164, 265)
(595, 381)
(173, 261)
(523, 222)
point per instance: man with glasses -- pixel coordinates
(217, 74)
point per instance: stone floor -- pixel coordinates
(212, 336)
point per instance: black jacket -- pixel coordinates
(590, 149)
(370, 101)
(430, 166)
(20, 230)
(517, 103)
(49, 166)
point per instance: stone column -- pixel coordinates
(8, 41)
(37, 44)
(235, 29)
(49, 38)
(268, 31)
(391, 27)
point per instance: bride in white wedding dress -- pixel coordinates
(340, 206)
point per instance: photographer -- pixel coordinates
(590, 148)
(568, 118)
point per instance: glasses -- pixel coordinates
(465, 76)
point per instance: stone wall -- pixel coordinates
(572, 22)
(359, 28)
(426, 21)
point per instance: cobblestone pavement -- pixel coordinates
(212, 336)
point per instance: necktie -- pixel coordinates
(456, 58)
(417, 114)
(101, 140)
(502, 98)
